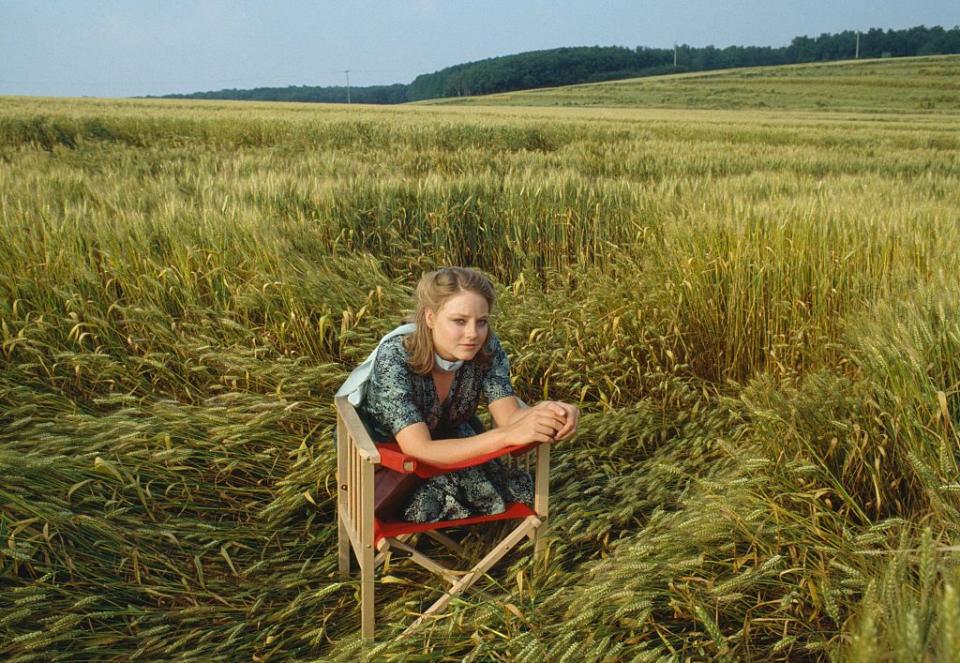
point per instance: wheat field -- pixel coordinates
(758, 313)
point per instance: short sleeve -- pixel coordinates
(495, 383)
(389, 395)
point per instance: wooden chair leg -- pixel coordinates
(343, 536)
(448, 574)
(343, 548)
(539, 541)
(367, 570)
(529, 523)
(541, 497)
(367, 556)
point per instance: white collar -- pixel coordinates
(447, 366)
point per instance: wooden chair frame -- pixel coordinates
(357, 460)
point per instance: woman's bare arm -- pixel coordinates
(506, 410)
(540, 426)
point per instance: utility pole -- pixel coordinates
(857, 56)
(674, 56)
(347, 72)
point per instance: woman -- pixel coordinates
(424, 388)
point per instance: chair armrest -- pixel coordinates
(393, 457)
(358, 432)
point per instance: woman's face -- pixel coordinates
(460, 326)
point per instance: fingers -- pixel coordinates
(558, 408)
(551, 419)
(541, 430)
(546, 428)
(548, 409)
(567, 429)
(543, 427)
(543, 438)
(570, 425)
(552, 406)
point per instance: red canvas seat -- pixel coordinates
(396, 528)
(360, 530)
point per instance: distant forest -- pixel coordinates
(588, 64)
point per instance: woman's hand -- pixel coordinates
(536, 424)
(570, 414)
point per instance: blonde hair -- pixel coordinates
(433, 291)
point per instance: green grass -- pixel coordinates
(756, 311)
(905, 85)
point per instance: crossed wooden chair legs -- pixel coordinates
(458, 581)
(372, 540)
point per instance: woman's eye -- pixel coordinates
(482, 323)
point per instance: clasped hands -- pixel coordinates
(547, 421)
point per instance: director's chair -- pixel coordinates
(373, 537)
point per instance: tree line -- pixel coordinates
(337, 94)
(587, 64)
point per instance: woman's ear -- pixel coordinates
(430, 318)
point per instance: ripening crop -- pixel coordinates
(758, 313)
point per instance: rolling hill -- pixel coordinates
(919, 84)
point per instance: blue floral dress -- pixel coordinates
(397, 397)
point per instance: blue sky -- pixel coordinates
(113, 48)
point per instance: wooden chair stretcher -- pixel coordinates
(372, 539)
